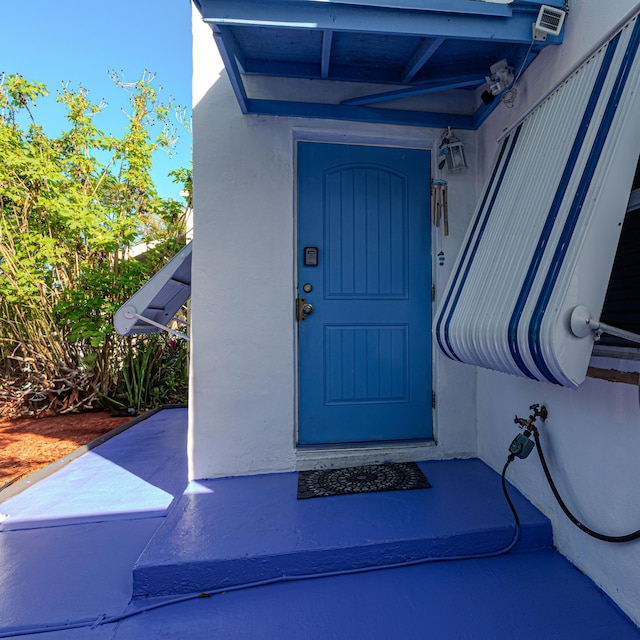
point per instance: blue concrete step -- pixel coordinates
(231, 531)
(534, 595)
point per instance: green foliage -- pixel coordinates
(156, 374)
(72, 207)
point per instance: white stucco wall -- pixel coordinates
(592, 437)
(243, 395)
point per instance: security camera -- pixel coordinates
(501, 77)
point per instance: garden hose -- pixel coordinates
(594, 534)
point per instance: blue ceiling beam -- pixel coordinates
(359, 114)
(325, 56)
(226, 37)
(312, 70)
(278, 68)
(308, 14)
(418, 90)
(420, 57)
(483, 112)
(535, 4)
(448, 6)
(376, 74)
(227, 45)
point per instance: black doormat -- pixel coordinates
(364, 479)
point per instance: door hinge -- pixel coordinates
(433, 399)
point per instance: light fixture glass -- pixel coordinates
(453, 150)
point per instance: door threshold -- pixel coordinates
(355, 453)
(360, 446)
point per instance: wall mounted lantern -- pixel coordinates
(451, 153)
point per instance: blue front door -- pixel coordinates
(364, 266)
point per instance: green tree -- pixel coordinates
(72, 207)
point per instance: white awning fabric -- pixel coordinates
(158, 301)
(544, 235)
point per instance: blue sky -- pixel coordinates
(69, 40)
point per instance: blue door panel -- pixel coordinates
(366, 364)
(365, 350)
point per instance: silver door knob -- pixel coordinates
(307, 309)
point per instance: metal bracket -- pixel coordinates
(582, 324)
(300, 316)
(129, 313)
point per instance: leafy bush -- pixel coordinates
(72, 207)
(154, 373)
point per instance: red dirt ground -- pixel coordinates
(27, 444)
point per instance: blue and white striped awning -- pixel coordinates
(544, 235)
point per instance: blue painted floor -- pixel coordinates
(62, 561)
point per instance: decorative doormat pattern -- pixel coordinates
(365, 479)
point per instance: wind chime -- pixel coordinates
(450, 155)
(440, 205)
